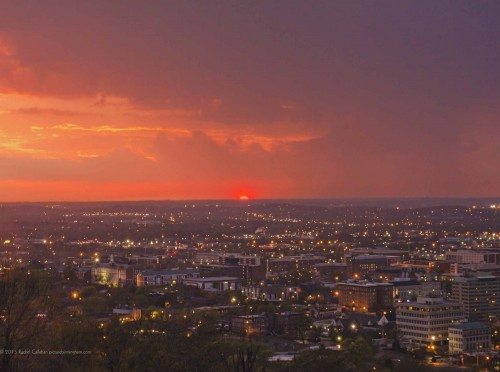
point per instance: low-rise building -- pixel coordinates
(469, 337)
(366, 263)
(162, 277)
(286, 323)
(292, 263)
(127, 313)
(215, 284)
(250, 268)
(249, 324)
(273, 293)
(408, 289)
(330, 270)
(383, 251)
(114, 275)
(83, 274)
(240, 259)
(365, 296)
(466, 256)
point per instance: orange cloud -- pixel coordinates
(208, 101)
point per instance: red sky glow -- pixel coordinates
(185, 100)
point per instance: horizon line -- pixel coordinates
(353, 198)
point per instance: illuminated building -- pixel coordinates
(162, 277)
(426, 320)
(293, 263)
(249, 324)
(366, 263)
(274, 293)
(478, 293)
(239, 259)
(468, 256)
(112, 274)
(365, 296)
(127, 313)
(469, 337)
(215, 284)
(407, 289)
(329, 270)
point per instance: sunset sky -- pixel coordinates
(128, 100)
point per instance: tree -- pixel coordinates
(69, 333)
(237, 356)
(115, 340)
(396, 346)
(24, 303)
(314, 334)
(358, 352)
(411, 365)
(24, 307)
(334, 333)
(300, 326)
(318, 360)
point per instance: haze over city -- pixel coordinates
(218, 100)
(250, 186)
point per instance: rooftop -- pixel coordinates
(369, 257)
(331, 264)
(168, 272)
(366, 284)
(469, 325)
(214, 279)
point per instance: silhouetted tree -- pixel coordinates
(25, 308)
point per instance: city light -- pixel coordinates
(252, 186)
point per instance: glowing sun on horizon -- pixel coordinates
(244, 197)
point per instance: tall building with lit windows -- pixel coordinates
(426, 320)
(479, 295)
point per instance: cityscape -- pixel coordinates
(250, 186)
(251, 285)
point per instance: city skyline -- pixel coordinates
(250, 186)
(115, 101)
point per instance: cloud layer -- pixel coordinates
(282, 99)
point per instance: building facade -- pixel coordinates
(363, 264)
(362, 296)
(162, 277)
(215, 284)
(478, 293)
(112, 274)
(426, 320)
(467, 256)
(411, 289)
(249, 325)
(469, 337)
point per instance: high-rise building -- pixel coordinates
(426, 320)
(478, 293)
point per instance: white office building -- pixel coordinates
(426, 320)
